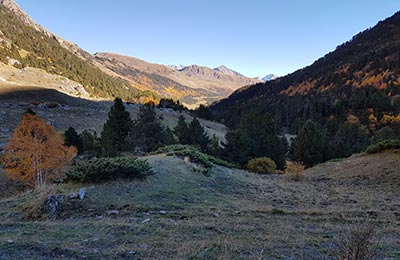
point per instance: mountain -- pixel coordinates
(268, 77)
(26, 44)
(227, 70)
(360, 78)
(193, 84)
(177, 67)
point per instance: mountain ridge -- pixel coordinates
(361, 78)
(132, 80)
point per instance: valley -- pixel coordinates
(107, 156)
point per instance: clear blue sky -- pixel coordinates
(254, 37)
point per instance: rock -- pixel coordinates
(145, 221)
(74, 195)
(163, 212)
(132, 252)
(52, 205)
(99, 217)
(82, 193)
(10, 241)
(215, 215)
(133, 220)
(112, 212)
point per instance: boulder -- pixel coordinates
(82, 193)
(52, 205)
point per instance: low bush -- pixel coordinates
(109, 168)
(384, 145)
(295, 171)
(358, 244)
(263, 165)
(194, 155)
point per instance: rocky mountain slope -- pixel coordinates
(361, 78)
(24, 43)
(192, 84)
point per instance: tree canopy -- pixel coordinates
(36, 152)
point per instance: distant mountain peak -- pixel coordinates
(227, 70)
(268, 77)
(177, 67)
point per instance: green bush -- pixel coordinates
(194, 154)
(263, 165)
(384, 145)
(109, 168)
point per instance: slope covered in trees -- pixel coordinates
(33, 48)
(360, 78)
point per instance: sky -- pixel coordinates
(253, 37)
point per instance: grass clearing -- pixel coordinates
(229, 214)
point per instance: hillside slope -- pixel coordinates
(179, 213)
(23, 43)
(82, 114)
(193, 84)
(361, 77)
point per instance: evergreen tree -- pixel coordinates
(308, 145)
(197, 135)
(235, 149)
(181, 130)
(385, 133)
(169, 137)
(90, 142)
(351, 138)
(115, 130)
(72, 138)
(148, 131)
(214, 147)
(255, 137)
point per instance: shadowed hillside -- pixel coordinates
(361, 77)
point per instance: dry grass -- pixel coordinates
(78, 113)
(230, 214)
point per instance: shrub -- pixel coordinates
(295, 171)
(109, 168)
(384, 145)
(358, 245)
(263, 165)
(194, 154)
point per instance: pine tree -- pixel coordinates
(115, 130)
(197, 135)
(214, 147)
(36, 152)
(148, 131)
(308, 145)
(72, 138)
(181, 130)
(351, 138)
(255, 136)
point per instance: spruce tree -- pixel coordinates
(308, 145)
(181, 130)
(115, 130)
(72, 138)
(214, 147)
(197, 135)
(148, 131)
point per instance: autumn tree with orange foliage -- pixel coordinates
(36, 152)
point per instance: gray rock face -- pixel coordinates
(52, 205)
